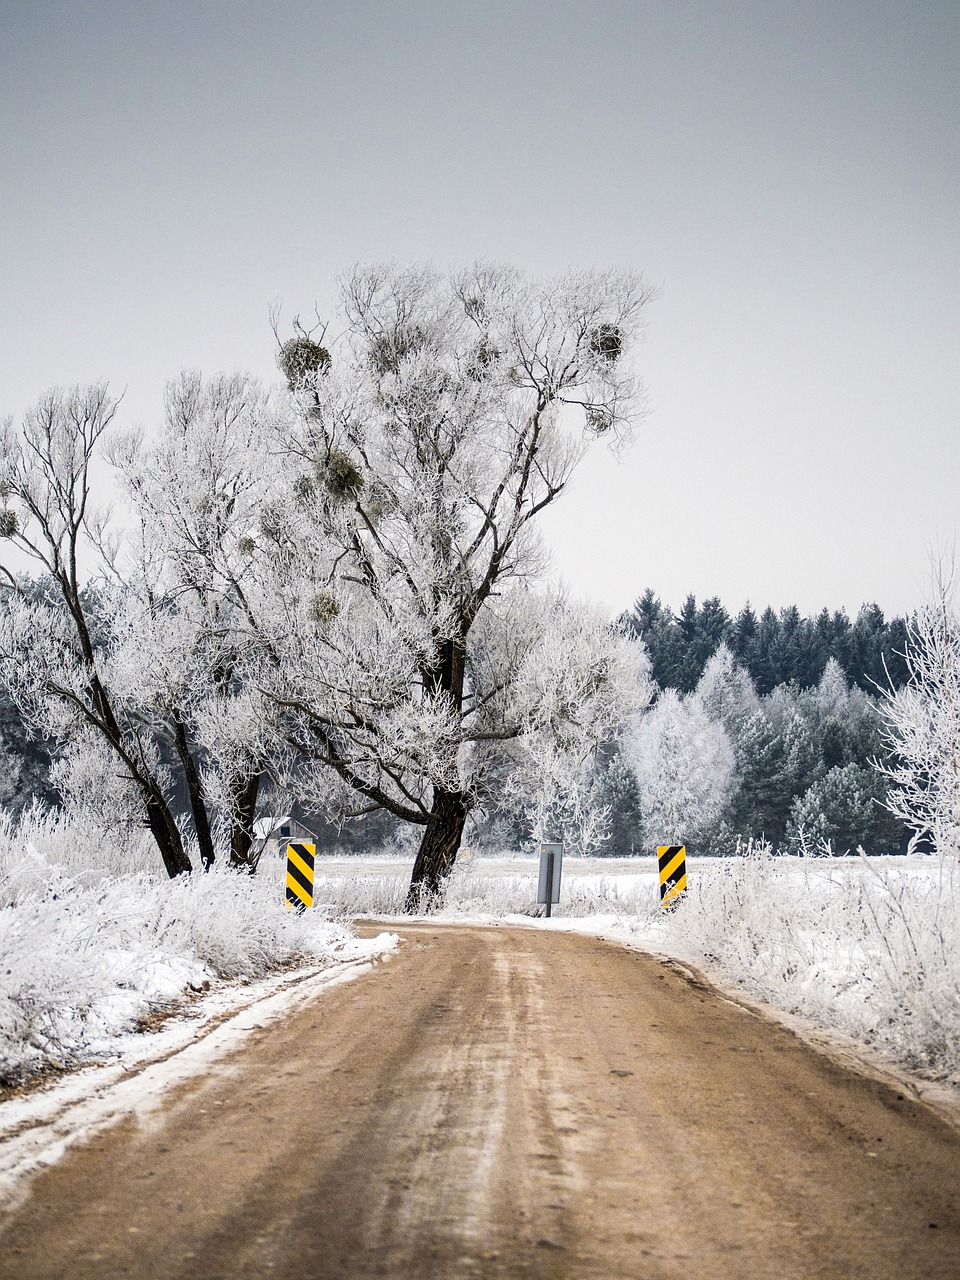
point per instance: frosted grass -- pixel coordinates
(869, 947)
(88, 948)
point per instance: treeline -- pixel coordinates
(764, 727)
(773, 647)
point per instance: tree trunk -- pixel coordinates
(198, 801)
(243, 807)
(160, 822)
(438, 849)
(166, 834)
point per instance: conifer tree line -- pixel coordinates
(772, 647)
(766, 727)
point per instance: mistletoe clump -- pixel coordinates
(483, 356)
(302, 358)
(389, 349)
(341, 475)
(606, 341)
(323, 609)
(599, 419)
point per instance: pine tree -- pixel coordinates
(758, 807)
(845, 809)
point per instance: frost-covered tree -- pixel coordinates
(726, 691)
(555, 778)
(922, 725)
(833, 696)
(61, 672)
(132, 652)
(618, 791)
(762, 804)
(402, 636)
(685, 767)
(197, 488)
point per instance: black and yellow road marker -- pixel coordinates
(673, 872)
(300, 876)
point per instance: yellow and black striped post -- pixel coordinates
(673, 872)
(300, 876)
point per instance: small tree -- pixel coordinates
(684, 763)
(726, 691)
(922, 725)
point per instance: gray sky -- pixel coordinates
(786, 172)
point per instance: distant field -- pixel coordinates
(506, 884)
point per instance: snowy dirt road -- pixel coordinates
(509, 1103)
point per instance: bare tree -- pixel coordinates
(922, 723)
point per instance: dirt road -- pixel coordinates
(509, 1103)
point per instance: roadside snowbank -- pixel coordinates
(88, 950)
(37, 1128)
(868, 947)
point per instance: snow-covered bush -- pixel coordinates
(85, 951)
(868, 948)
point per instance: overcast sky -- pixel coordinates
(787, 173)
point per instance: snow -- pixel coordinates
(88, 951)
(36, 1129)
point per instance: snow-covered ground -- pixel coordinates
(93, 940)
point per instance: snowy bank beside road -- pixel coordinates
(36, 1129)
(87, 951)
(867, 947)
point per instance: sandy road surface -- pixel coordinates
(507, 1103)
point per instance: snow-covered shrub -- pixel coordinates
(362, 895)
(81, 846)
(86, 950)
(866, 948)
